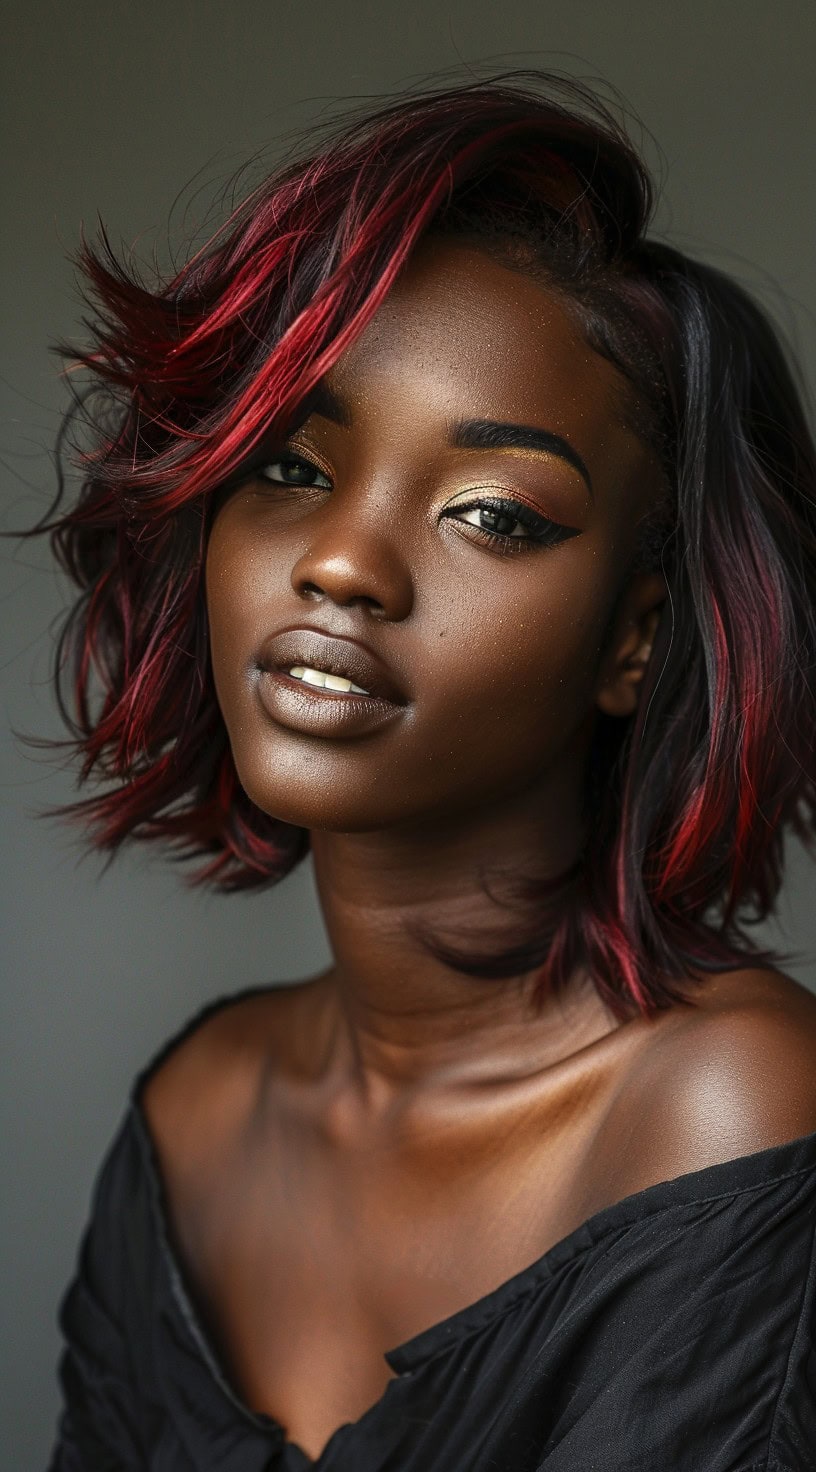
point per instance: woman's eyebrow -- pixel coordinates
(494, 434)
(466, 434)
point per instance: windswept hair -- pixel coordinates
(688, 800)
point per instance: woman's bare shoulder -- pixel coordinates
(732, 1075)
(205, 1088)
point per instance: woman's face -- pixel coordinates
(469, 585)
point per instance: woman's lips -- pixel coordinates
(334, 654)
(313, 709)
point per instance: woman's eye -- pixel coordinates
(297, 471)
(489, 519)
(510, 522)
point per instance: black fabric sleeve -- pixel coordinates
(792, 1445)
(108, 1417)
(688, 1343)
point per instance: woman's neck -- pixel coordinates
(401, 1018)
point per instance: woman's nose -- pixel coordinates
(353, 560)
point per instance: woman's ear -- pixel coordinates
(627, 652)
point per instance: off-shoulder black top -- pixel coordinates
(673, 1331)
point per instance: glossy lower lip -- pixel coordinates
(315, 711)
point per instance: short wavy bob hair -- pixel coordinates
(688, 800)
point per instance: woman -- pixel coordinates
(439, 522)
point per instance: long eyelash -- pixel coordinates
(504, 544)
(297, 453)
(549, 532)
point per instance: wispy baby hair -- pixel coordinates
(687, 802)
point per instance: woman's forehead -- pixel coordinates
(461, 336)
(450, 294)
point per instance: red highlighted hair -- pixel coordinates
(689, 800)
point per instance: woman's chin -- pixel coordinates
(322, 811)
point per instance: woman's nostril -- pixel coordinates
(335, 595)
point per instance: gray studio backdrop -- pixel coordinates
(116, 106)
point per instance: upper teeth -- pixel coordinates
(319, 677)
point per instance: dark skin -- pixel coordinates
(350, 1159)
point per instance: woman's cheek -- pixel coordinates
(533, 660)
